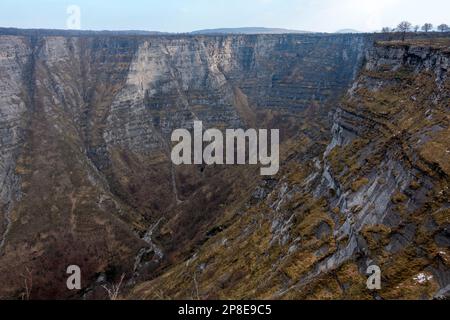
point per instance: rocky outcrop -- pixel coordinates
(377, 124)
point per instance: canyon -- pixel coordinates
(87, 179)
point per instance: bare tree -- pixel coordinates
(114, 291)
(403, 28)
(427, 27)
(416, 28)
(386, 30)
(443, 27)
(28, 284)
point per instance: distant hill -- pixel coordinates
(348, 31)
(59, 32)
(249, 30)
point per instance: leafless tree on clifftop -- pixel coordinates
(427, 27)
(403, 28)
(443, 27)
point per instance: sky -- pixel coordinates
(190, 15)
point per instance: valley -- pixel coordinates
(87, 179)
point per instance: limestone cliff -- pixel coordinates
(85, 122)
(377, 194)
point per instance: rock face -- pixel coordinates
(375, 194)
(85, 123)
(14, 60)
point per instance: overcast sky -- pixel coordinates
(189, 15)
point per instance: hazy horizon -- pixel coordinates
(191, 15)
